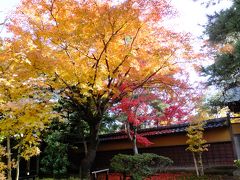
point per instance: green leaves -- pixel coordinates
(223, 30)
(225, 72)
(55, 158)
(140, 166)
(223, 26)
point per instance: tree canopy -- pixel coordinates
(223, 31)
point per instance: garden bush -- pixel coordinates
(141, 165)
(55, 159)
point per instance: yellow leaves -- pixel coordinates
(195, 141)
(2, 151)
(93, 47)
(5, 82)
(23, 120)
(29, 152)
(2, 164)
(24, 110)
(3, 167)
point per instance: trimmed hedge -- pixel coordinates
(141, 165)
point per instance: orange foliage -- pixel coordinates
(98, 45)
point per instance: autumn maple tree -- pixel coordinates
(149, 108)
(135, 111)
(95, 53)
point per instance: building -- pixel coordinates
(170, 141)
(232, 99)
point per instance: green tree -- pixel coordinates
(140, 166)
(225, 72)
(223, 29)
(224, 26)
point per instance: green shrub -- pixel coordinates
(237, 163)
(55, 159)
(141, 165)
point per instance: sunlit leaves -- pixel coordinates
(97, 46)
(23, 106)
(196, 142)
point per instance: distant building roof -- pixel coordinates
(232, 99)
(162, 130)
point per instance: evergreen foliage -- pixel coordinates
(225, 24)
(140, 166)
(55, 159)
(225, 72)
(223, 30)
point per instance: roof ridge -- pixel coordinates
(176, 128)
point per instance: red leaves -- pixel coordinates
(152, 108)
(136, 109)
(143, 141)
(176, 112)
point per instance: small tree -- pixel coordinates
(25, 109)
(136, 111)
(197, 145)
(149, 108)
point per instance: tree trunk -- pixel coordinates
(135, 148)
(9, 160)
(37, 165)
(18, 163)
(85, 147)
(195, 163)
(28, 167)
(88, 160)
(201, 164)
(82, 138)
(124, 176)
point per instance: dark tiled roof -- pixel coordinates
(232, 99)
(234, 106)
(162, 130)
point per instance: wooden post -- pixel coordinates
(232, 136)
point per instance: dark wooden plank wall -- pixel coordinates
(219, 154)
